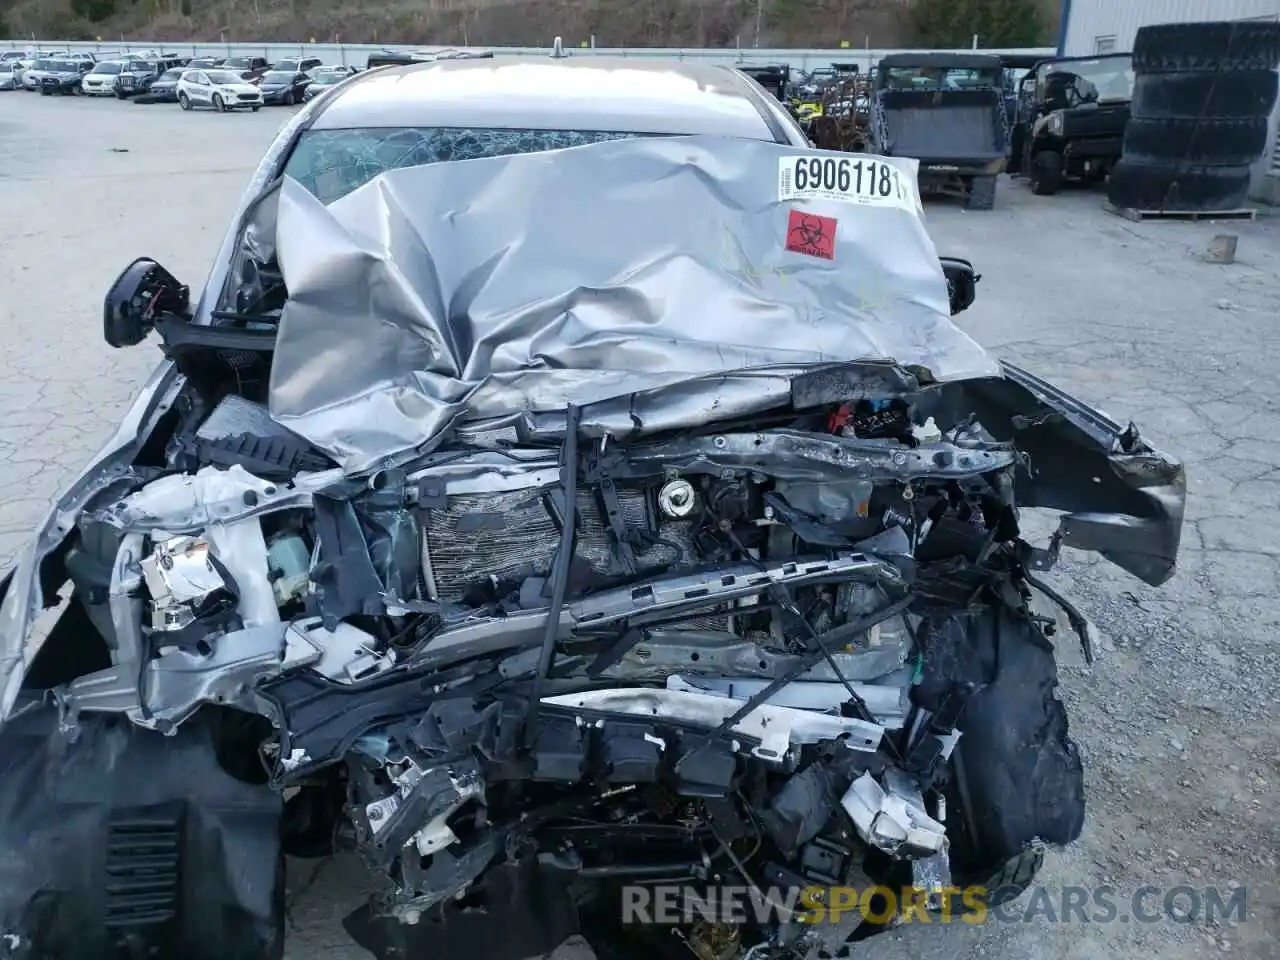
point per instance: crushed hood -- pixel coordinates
(634, 271)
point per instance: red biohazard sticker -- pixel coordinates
(812, 235)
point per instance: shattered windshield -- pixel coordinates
(332, 163)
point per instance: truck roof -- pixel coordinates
(965, 61)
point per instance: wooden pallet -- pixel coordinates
(1139, 215)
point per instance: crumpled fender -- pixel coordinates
(1120, 497)
(29, 589)
(31, 585)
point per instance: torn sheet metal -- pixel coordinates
(1118, 495)
(888, 703)
(462, 291)
(775, 728)
(891, 817)
(190, 503)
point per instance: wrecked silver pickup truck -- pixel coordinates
(537, 557)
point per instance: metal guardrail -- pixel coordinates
(356, 54)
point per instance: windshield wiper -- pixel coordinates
(181, 336)
(271, 318)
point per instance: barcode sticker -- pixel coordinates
(864, 180)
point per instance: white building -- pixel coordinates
(1109, 26)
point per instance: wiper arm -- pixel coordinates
(180, 336)
(271, 318)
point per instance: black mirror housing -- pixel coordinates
(143, 293)
(962, 283)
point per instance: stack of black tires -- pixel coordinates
(1202, 99)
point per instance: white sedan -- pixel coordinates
(101, 80)
(220, 89)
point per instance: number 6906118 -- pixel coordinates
(868, 178)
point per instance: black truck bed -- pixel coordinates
(961, 127)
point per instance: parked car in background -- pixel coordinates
(1071, 120)
(466, 54)
(164, 89)
(220, 89)
(254, 66)
(10, 74)
(326, 78)
(284, 87)
(393, 58)
(947, 111)
(31, 77)
(138, 76)
(101, 80)
(64, 76)
(298, 64)
(333, 69)
(20, 68)
(203, 63)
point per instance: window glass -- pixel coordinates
(332, 163)
(1106, 78)
(940, 78)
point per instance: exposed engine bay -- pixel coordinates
(603, 662)
(787, 640)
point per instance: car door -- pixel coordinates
(1023, 118)
(201, 89)
(1027, 98)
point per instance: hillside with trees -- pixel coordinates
(613, 23)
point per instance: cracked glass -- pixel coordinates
(332, 163)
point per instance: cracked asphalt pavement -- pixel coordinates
(1177, 719)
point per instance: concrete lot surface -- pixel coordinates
(1177, 721)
